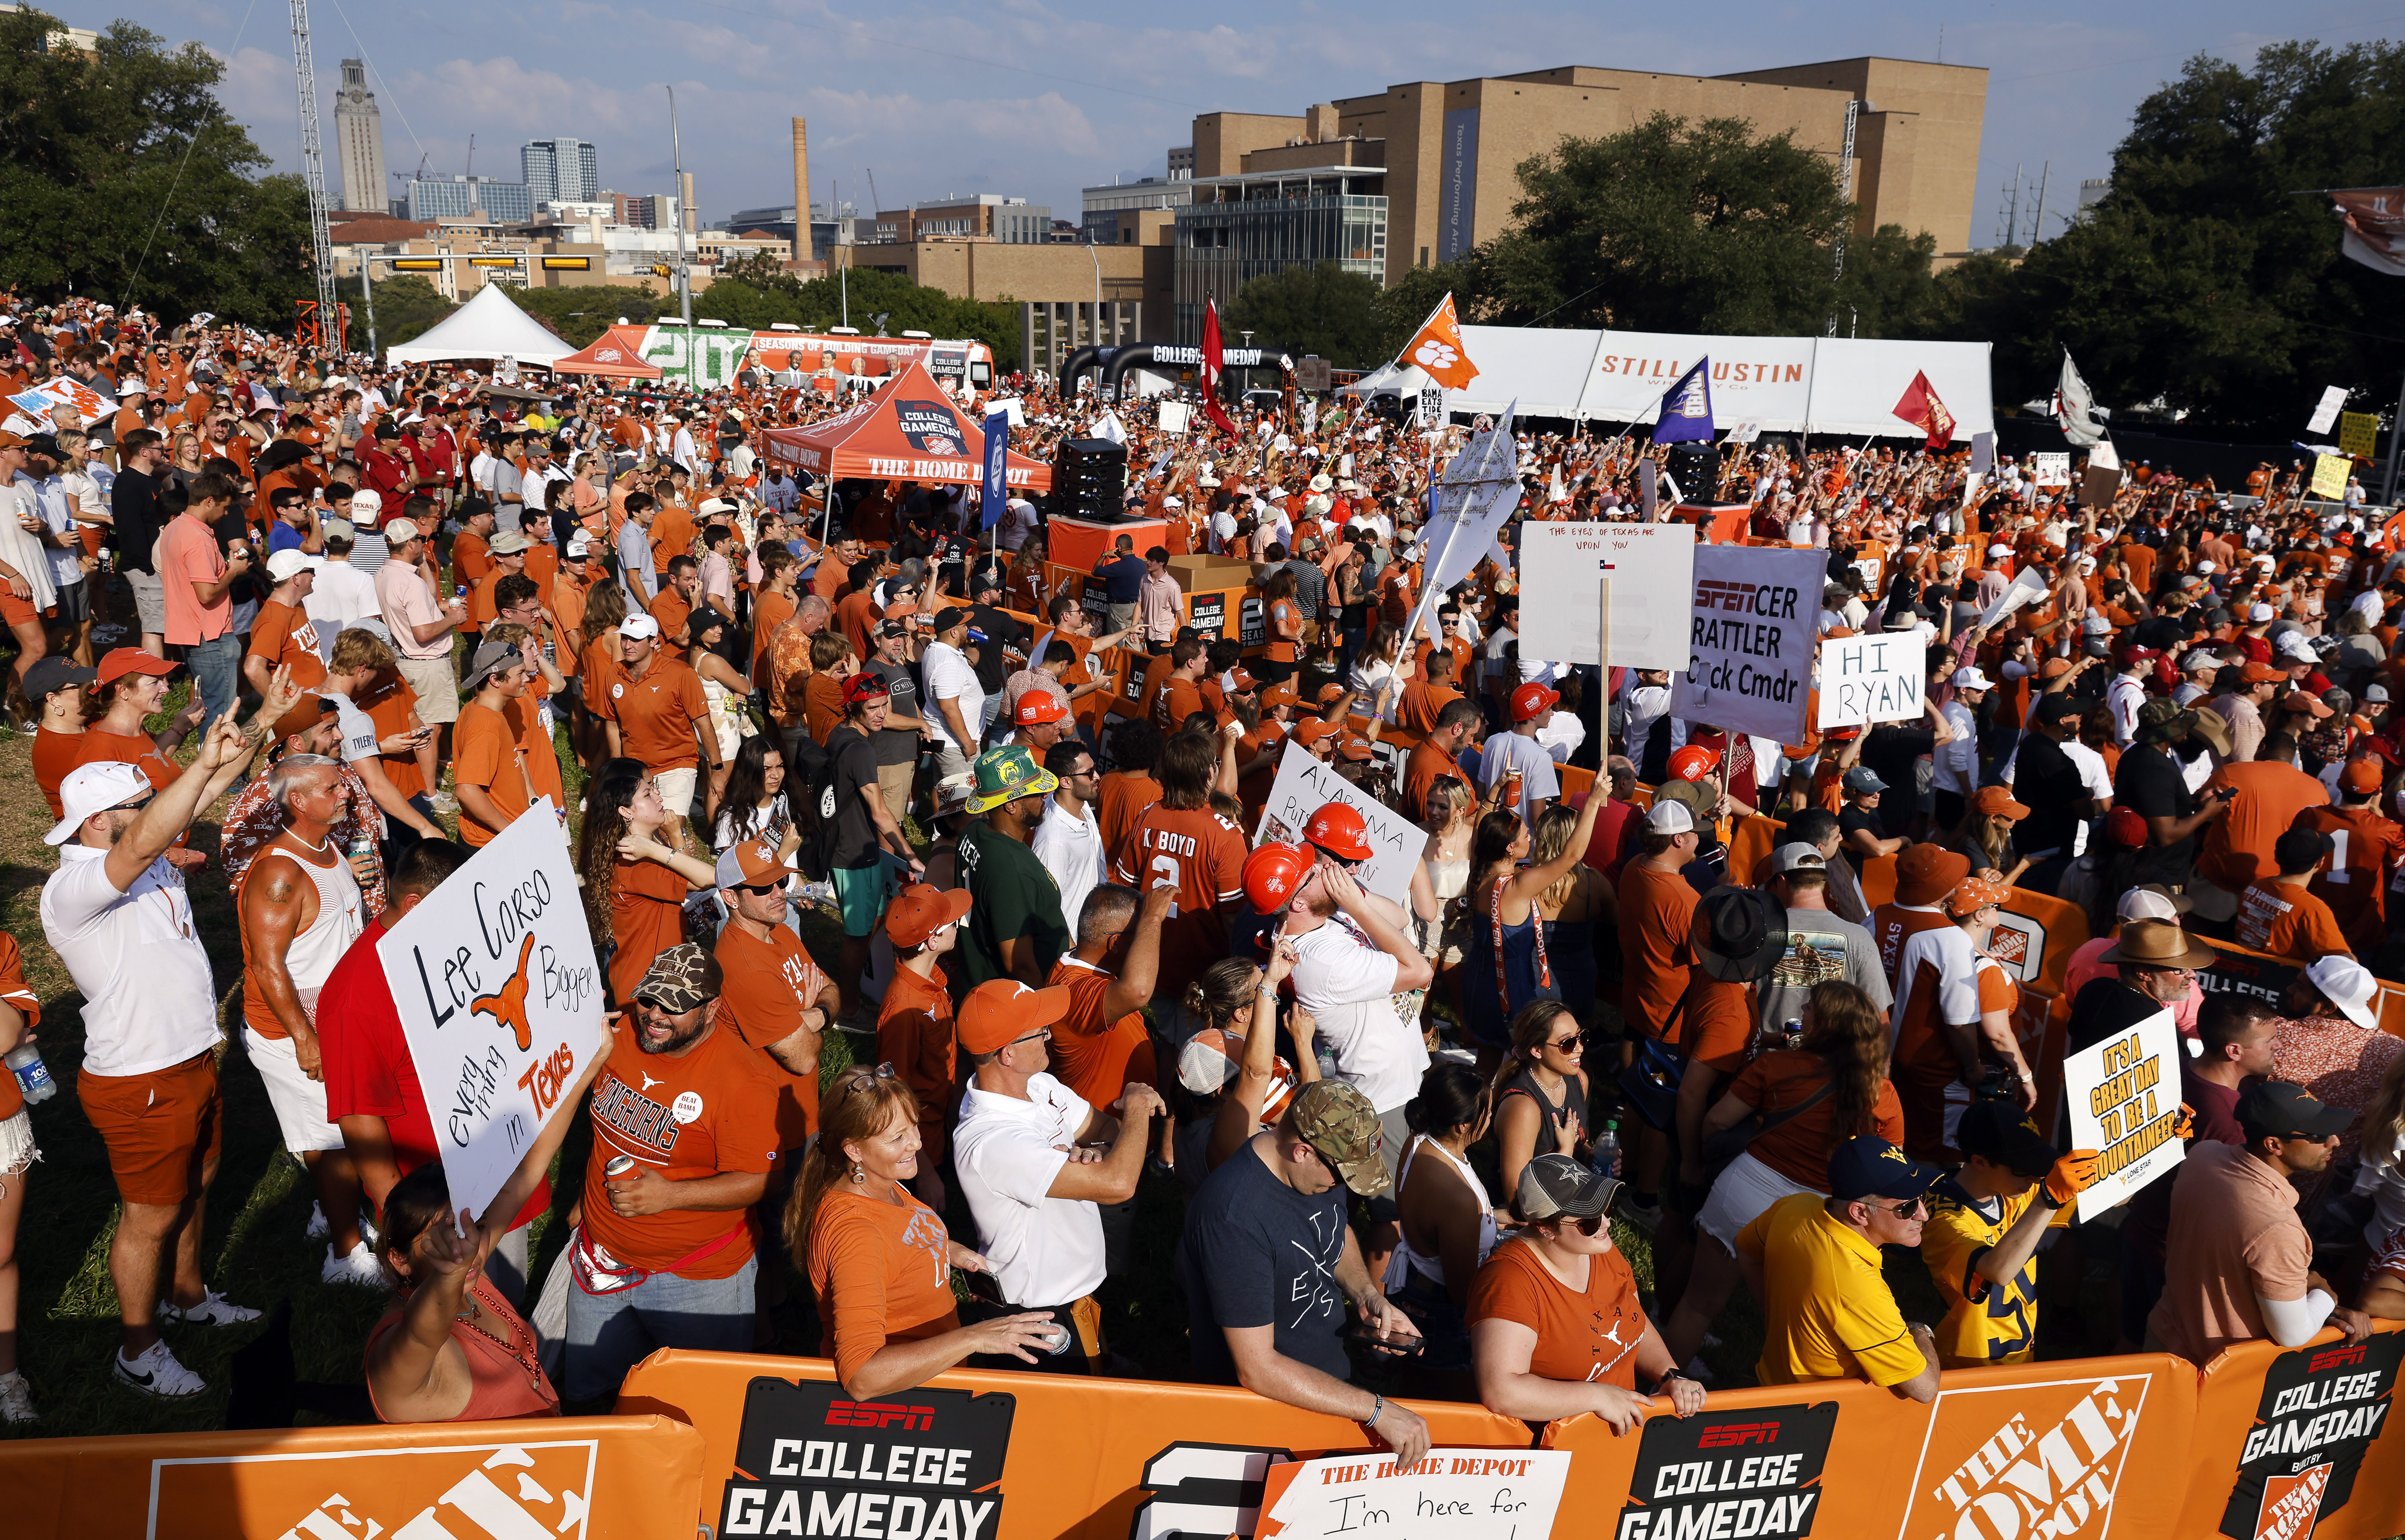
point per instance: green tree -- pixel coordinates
(1319, 309)
(407, 306)
(123, 176)
(2200, 281)
(582, 312)
(757, 293)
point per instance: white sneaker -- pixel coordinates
(368, 1231)
(16, 1399)
(361, 1267)
(316, 1230)
(215, 1309)
(156, 1373)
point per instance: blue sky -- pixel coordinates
(1038, 99)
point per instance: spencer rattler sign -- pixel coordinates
(925, 1464)
(2322, 1408)
(1753, 1472)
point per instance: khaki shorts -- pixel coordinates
(164, 1129)
(675, 788)
(437, 687)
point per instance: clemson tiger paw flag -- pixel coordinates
(1921, 408)
(1436, 349)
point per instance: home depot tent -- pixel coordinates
(489, 326)
(617, 354)
(909, 431)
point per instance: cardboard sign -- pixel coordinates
(1651, 569)
(2123, 1095)
(1173, 417)
(1865, 679)
(1305, 786)
(1451, 1494)
(2051, 470)
(2333, 397)
(2329, 475)
(1751, 641)
(1432, 406)
(1745, 430)
(2027, 587)
(2358, 432)
(500, 997)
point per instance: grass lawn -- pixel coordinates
(254, 1252)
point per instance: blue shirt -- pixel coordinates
(1121, 578)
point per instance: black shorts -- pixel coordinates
(75, 602)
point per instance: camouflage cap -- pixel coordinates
(2163, 719)
(1338, 1121)
(683, 979)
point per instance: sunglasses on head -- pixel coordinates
(866, 1078)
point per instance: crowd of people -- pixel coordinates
(1074, 973)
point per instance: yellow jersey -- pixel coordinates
(1826, 1311)
(1984, 1322)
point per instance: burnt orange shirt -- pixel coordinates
(709, 1112)
(769, 984)
(1657, 912)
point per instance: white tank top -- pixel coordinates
(1406, 1261)
(340, 919)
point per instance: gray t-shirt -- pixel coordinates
(1821, 948)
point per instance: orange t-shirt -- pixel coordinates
(1420, 701)
(668, 608)
(13, 992)
(2235, 850)
(1094, 1057)
(1891, 925)
(724, 1085)
(657, 713)
(1126, 793)
(881, 1273)
(392, 705)
(1286, 624)
(54, 755)
(1657, 910)
(568, 600)
(768, 985)
(1719, 1025)
(646, 918)
(822, 705)
(1428, 763)
(1178, 700)
(1202, 856)
(487, 752)
(1585, 1336)
(1799, 1148)
(770, 610)
(603, 673)
(915, 1035)
(471, 560)
(95, 746)
(2287, 922)
(2356, 886)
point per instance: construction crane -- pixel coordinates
(320, 321)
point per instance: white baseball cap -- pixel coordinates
(2000, 550)
(1971, 678)
(639, 627)
(92, 788)
(366, 503)
(400, 532)
(2257, 614)
(289, 560)
(1670, 818)
(2348, 984)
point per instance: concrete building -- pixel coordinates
(983, 217)
(1103, 205)
(460, 197)
(1450, 149)
(1243, 227)
(1068, 296)
(358, 139)
(562, 171)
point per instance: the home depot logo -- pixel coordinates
(2009, 1461)
(2019, 942)
(2291, 1504)
(482, 1491)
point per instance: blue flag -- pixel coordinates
(997, 452)
(1687, 408)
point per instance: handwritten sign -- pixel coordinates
(2329, 475)
(1652, 569)
(2124, 1097)
(1305, 785)
(1450, 1494)
(1865, 679)
(2050, 468)
(499, 996)
(1173, 417)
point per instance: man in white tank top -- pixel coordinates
(300, 911)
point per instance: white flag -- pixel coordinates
(2074, 406)
(1479, 490)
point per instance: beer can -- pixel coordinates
(617, 1167)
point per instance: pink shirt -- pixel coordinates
(407, 602)
(2082, 969)
(189, 555)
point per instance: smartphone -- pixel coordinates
(1397, 1344)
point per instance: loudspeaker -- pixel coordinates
(1697, 467)
(1090, 479)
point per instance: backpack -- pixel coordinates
(815, 857)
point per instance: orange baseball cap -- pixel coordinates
(2360, 777)
(121, 661)
(1001, 1011)
(919, 910)
(1312, 729)
(749, 863)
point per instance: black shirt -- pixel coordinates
(1122, 577)
(1851, 821)
(898, 744)
(133, 504)
(853, 767)
(2045, 780)
(1000, 630)
(2106, 1008)
(1259, 1254)
(1889, 752)
(2151, 783)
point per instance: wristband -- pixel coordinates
(1377, 1410)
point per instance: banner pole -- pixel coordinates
(2395, 441)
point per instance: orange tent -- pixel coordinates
(617, 354)
(908, 430)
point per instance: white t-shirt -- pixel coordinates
(1507, 751)
(1046, 1251)
(1071, 848)
(1348, 985)
(149, 1001)
(342, 596)
(948, 677)
(1948, 947)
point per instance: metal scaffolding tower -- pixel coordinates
(313, 171)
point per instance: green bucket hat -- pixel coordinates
(1008, 774)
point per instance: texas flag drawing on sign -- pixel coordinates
(1436, 350)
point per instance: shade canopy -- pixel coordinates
(909, 431)
(617, 354)
(489, 325)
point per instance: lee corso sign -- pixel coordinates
(1450, 1494)
(2124, 1098)
(1750, 641)
(1305, 786)
(1866, 679)
(499, 996)
(1651, 569)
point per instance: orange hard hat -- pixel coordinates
(1272, 874)
(1340, 830)
(1695, 761)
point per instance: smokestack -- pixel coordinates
(684, 196)
(802, 191)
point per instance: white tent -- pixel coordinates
(489, 325)
(1387, 380)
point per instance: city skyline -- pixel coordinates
(1038, 100)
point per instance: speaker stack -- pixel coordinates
(1696, 469)
(1090, 480)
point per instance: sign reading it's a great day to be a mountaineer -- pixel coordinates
(499, 996)
(1751, 641)
(2124, 1098)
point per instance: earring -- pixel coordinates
(858, 1175)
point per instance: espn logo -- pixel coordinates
(1717, 593)
(879, 1414)
(1736, 1434)
(2332, 1357)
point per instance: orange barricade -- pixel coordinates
(1058, 1455)
(2288, 1442)
(635, 1477)
(2267, 978)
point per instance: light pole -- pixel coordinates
(1098, 291)
(675, 158)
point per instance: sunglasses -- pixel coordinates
(1590, 1225)
(1918, 1207)
(135, 807)
(1569, 1045)
(866, 1078)
(760, 889)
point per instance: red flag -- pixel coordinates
(1921, 408)
(1212, 355)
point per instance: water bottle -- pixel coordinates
(33, 1075)
(1603, 1156)
(1792, 1031)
